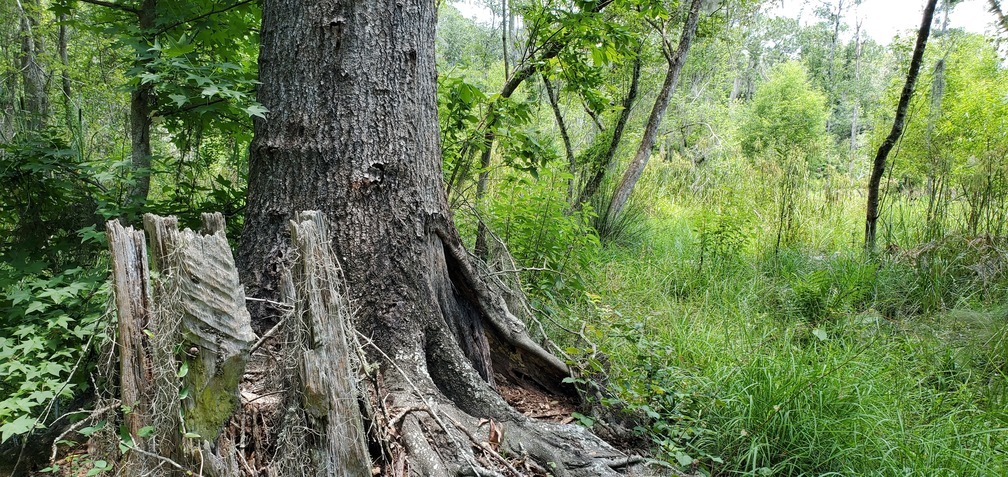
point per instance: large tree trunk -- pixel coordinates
(878, 168)
(355, 135)
(640, 160)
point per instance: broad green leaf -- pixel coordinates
(18, 295)
(179, 99)
(256, 110)
(36, 306)
(18, 426)
(148, 77)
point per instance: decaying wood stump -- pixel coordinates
(183, 355)
(131, 281)
(324, 416)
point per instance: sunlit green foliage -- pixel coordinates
(787, 115)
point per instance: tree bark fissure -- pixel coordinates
(182, 352)
(131, 285)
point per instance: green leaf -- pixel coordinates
(256, 110)
(18, 295)
(145, 431)
(210, 90)
(100, 466)
(87, 431)
(178, 50)
(818, 333)
(36, 306)
(583, 419)
(179, 99)
(183, 370)
(18, 426)
(148, 77)
(191, 435)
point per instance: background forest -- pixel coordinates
(729, 307)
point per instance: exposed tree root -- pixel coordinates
(452, 422)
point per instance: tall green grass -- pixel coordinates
(735, 359)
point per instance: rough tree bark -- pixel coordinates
(332, 432)
(131, 285)
(69, 109)
(878, 167)
(675, 63)
(183, 351)
(355, 135)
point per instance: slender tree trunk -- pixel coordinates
(481, 248)
(68, 105)
(504, 37)
(640, 160)
(834, 40)
(141, 111)
(857, 103)
(878, 167)
(551, 93)
(33, 75)
(548, 51)
(600, 165)
(355, 135)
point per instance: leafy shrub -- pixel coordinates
(818, 290)
(659, 400)
(556, 244)
(50, 193)
(51, 321)
(787, 115)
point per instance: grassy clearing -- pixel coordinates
(810, 360)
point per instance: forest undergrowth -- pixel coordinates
(811, 359)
